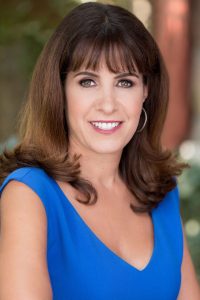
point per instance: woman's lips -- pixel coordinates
(106, 127)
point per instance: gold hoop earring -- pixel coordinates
(145, 121)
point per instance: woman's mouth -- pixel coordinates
(106, 126)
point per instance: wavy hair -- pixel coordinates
(89, 30)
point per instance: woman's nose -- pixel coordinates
(107, 102)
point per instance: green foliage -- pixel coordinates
(189, 186)
(62, 6)
(28, 24)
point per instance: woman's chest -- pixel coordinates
(126, 234)
(101, 255)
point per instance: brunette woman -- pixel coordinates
(89, 198)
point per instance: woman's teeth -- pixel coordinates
(105, 126)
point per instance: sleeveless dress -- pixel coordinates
(82, 267)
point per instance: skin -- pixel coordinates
(102, 96)
(23, 263)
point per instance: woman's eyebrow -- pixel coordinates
(86, 73)
(127, 74)
(117, 76)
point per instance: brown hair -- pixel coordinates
(84, 34)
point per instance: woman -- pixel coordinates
(89, 202)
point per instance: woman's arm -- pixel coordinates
(190, 288)
(23, 269)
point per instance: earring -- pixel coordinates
(145, 121)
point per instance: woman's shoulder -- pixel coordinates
(24, 171)
(26, 180)
(22, 216)
(170, 202)
(28, 175)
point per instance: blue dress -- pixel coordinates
(82, 267)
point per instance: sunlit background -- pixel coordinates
(26, 25)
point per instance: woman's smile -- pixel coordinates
(106, 127)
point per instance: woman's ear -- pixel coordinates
(145, 92)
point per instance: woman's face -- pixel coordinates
(104, 109)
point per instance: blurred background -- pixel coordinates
(175, 24)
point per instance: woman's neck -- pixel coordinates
(100, 169)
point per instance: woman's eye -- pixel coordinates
(125, 83)
(87, 82)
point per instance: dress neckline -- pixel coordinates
(102, 244)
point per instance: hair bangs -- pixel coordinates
(89, 54)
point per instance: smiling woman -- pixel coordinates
(88, 191)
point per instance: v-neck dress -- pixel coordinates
(82, 267)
